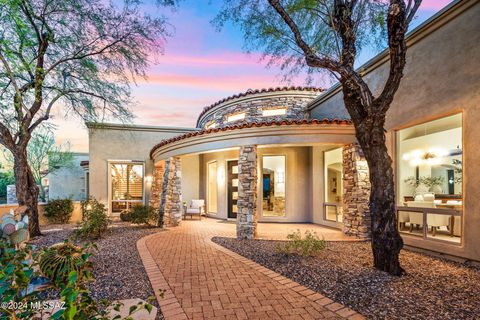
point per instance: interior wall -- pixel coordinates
(298, 184)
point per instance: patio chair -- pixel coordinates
(196, 208)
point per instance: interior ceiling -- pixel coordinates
(439, 125)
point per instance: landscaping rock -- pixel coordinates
(433, 288)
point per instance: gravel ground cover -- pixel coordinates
(432, 288)
(118, 268)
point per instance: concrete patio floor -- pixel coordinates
(202, 280)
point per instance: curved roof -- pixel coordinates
(249, 125)
(257, 91)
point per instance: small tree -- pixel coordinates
(44, 156)
(77, 54)
(327, 35)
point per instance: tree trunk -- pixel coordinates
(27, 190)
(386, 240)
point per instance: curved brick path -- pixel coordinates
(206, 281)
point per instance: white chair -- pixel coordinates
(403, 218)
(196, 208)
(416, 218)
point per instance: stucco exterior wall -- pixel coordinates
(442, 77)
(75, 218)
(117, 143)
(68, 182)
(190, 177)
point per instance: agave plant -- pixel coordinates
(57, 261)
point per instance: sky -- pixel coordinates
(200, 66)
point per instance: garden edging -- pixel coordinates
(169, 304)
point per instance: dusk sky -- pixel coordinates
(199, 67)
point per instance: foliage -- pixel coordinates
(458, 164)
(125, 216)
(427, 181)
(57, 261)
(44, 156)
(78, 57)
(16, 272)
(90, 204)
(141, 215)
(59, 210)
(306, 246)
(95, 220)
(6, 178)
(264, 30)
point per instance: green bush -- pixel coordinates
(59, 210)
(95, 220)
(142, 215)
(125, 216)
(308, 246)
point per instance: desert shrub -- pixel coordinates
(125, 216)
(95, 220)
(142, 215)
(89, 205)
(306, 246)
(59, 210)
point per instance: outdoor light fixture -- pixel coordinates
(149, 179)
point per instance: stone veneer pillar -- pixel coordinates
(247, 193)
(171, 195)
(157, 184)
(356, 193)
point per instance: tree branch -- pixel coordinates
(312, 59)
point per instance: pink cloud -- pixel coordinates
(434, 4)
(213, 82)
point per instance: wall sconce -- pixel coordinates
(149, 179)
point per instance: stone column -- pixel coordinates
(157, 184)
(247, 193)
(356, 193)
(171, 195)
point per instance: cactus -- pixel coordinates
(59, 260)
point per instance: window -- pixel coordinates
(211, 125)
(273, 181)
(212, 187)
(268, 112)
(430, 166)
(333, 161)
(236, 117)
(126, 186)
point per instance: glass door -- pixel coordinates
(232, 169)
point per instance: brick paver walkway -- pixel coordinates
(203, 280)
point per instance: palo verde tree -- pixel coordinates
(328, 35)
(76, 56)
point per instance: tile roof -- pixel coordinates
(249, 125)
(256, 91)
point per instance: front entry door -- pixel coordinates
(232, 169)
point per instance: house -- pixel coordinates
(290, 154)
